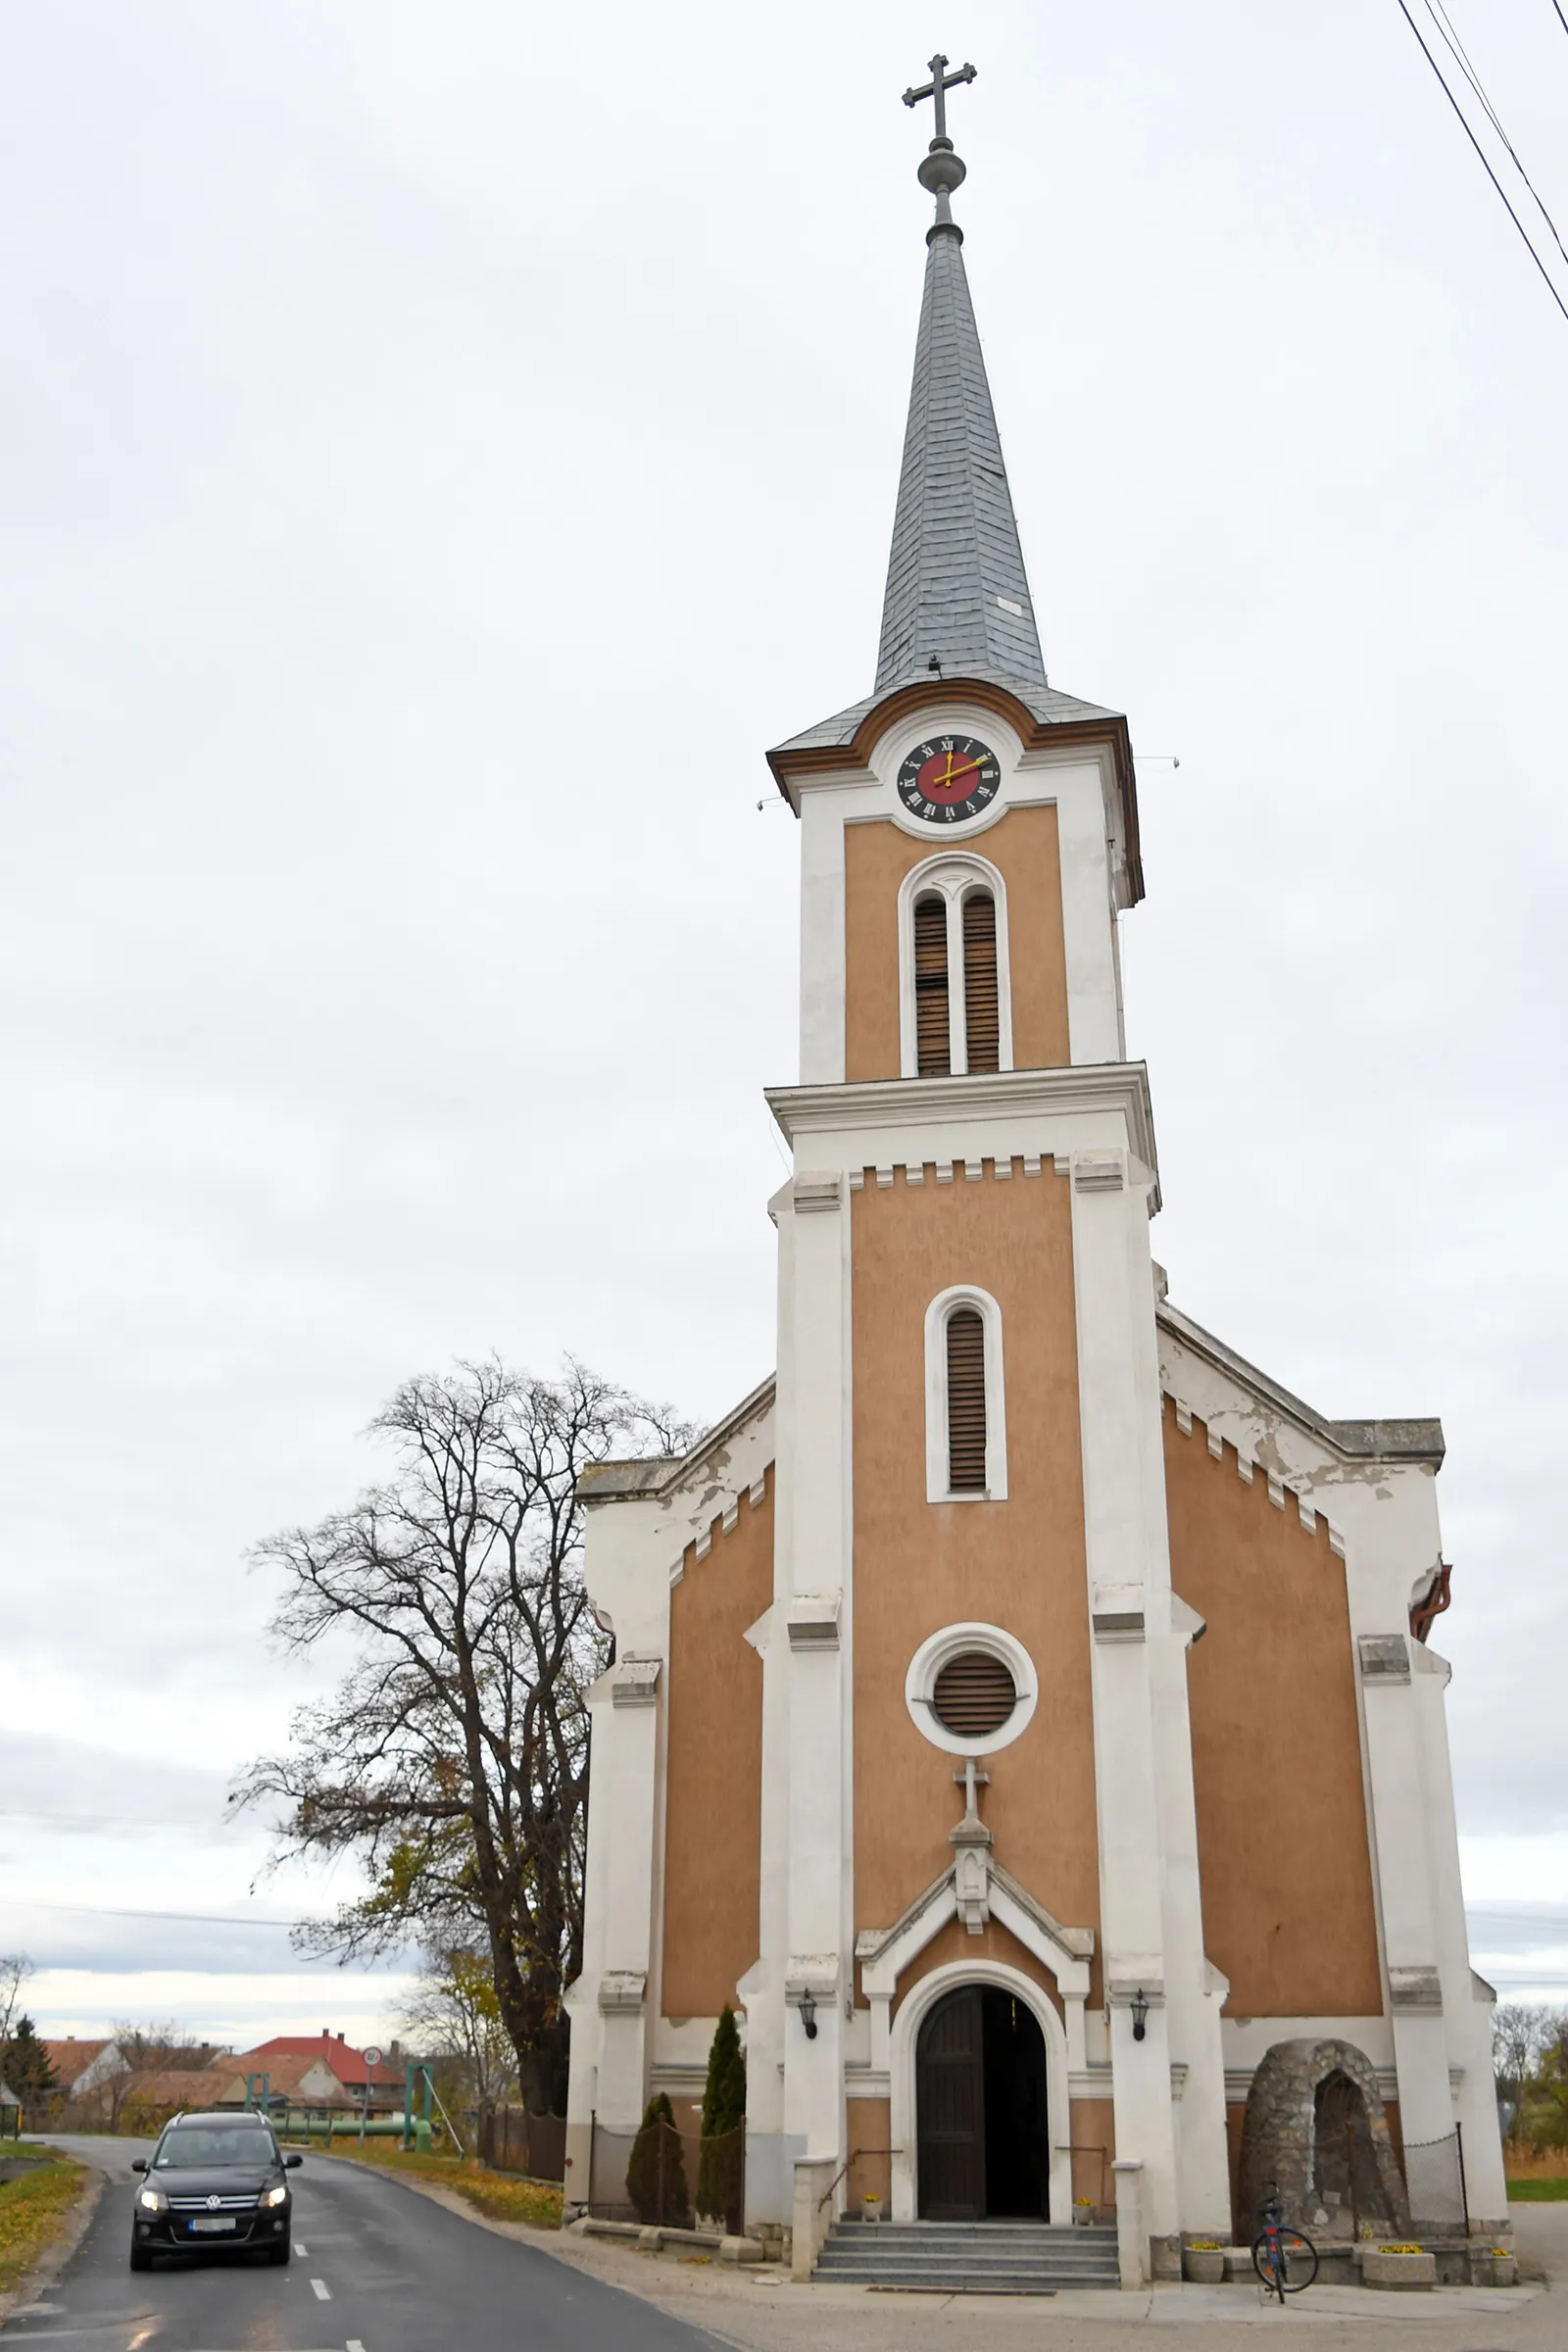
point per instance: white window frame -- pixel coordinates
(936, 1464)
(953, 875)
(956, 1642)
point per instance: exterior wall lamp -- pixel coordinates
(1140, 2009)
(807, 2009)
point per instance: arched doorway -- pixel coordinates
(1346, 2182)
(980, 2109)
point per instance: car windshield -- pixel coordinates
(191, 2144)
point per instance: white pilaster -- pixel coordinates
(823, 949)
(626, 1752)
(1129, 1585)
(812, 1632)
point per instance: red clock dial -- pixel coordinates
(949, 778)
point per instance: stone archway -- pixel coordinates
(1315, 2126)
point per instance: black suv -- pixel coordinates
(212, 2181)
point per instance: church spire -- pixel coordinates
(957, 597)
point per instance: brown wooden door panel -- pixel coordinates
(950, 2106)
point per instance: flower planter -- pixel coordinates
(1204, 2266)
(1407, 2271)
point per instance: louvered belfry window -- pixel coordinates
(933, 1053)
(973, 1695)
(966, 1402)
(981, 1011)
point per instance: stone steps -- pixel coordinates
(975, 2258)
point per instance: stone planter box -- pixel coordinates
(1398, 2270)
(1202, 2267)
(1495, 2269)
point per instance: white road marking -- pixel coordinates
(318, 2287)
(355, 2346)
(300, 2247)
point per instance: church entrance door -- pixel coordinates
(980, 2109)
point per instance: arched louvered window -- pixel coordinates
(981, 1006)
(966, 1423)
(966, 1402)
(933, 1047)
(955, 1016)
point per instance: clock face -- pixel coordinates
(949, 778)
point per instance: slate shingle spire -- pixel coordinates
(957, 589)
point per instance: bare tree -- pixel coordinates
(453, 1758)
(452, 2014)
(1524, 2034)
(15, 1969)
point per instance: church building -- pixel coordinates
(1022, 1709)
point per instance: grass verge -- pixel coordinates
(33, 2213)
(1547, 2190)
(501, 2195)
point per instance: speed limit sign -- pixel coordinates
(371, 2057)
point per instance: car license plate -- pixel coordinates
(212, 2222)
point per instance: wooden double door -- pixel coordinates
(980, 2109)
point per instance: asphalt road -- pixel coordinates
(375, 2268)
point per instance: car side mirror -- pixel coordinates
(292, 2162)
(138, 2164)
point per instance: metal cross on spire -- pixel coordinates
(941, 171)
(939, 84)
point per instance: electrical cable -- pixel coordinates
(1561, 19)
(1486, 167)
(206, 1919)
(1456, 49)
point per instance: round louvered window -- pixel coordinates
(973, 1695)
(972, 1688)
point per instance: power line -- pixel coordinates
(1561, 19)
(206, 1919)
(1484, 164)
(1456, 49)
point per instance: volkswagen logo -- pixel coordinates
(213, 2203)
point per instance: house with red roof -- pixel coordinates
(318, 2070)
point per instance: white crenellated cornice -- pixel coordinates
(1012, 1107)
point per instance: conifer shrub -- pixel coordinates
(720, 2173)
(656, 2177)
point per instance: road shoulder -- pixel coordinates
(57, 2250)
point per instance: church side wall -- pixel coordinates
(920, 1566)
(1289, 1909)
(712, 1836)
(1023, 848)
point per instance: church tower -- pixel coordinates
(906, 1751)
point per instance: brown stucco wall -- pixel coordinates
(714, 1823)
(1093, 2148)
(877, 855)
(1281, 1834)
(1020, 1565)
(870, 2136)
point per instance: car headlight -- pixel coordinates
(278, 2195)
(153, 2200)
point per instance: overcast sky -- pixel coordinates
(443, 449)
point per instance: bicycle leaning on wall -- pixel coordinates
(1285, 2260)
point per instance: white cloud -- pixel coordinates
(432, 485)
